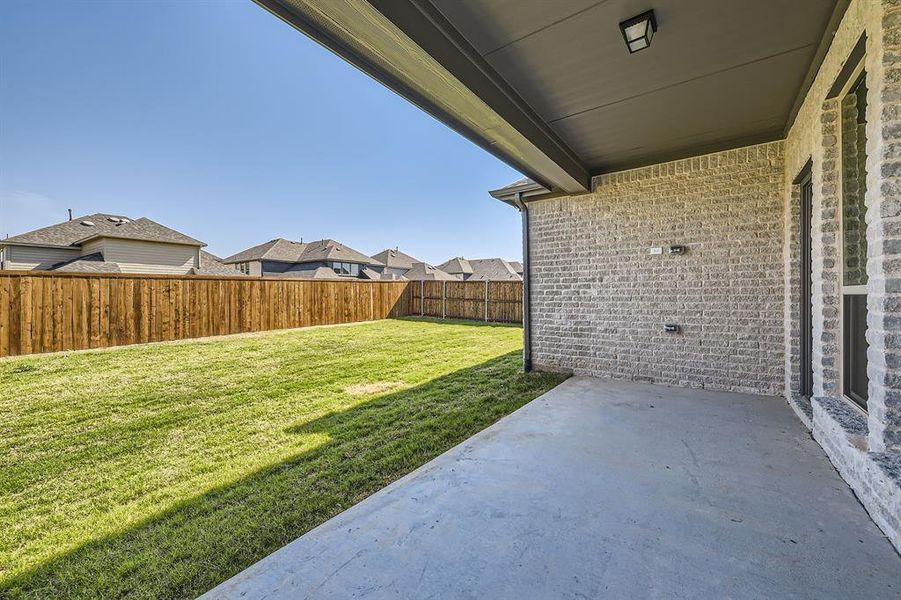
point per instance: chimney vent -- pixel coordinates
(70, 214)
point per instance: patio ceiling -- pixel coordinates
(550, 88)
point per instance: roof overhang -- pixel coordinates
(551, 89)
(98, 236)
(412, 49)
(32, 245)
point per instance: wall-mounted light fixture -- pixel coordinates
(672, 328)
(638, 31)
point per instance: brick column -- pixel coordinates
(825, 251)
(883, 199)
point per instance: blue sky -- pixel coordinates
(219, 120)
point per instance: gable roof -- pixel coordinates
(393, 258)
(81, 229)
(283, 250)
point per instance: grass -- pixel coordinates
(159, 471)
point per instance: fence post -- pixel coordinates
(486, 300)
(421, 297)
(444, 301)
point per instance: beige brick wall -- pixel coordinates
(600, 299)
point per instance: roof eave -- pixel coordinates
(11, 242)
(529, 191)
(410, 47)
(195, 243)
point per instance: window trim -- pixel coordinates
(851, 290)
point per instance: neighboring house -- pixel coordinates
(709, 211)
(104, 243)
(322, 259)
(424, 272)
(210, 264)
(396, 262)
(482, 269)
(399, 265)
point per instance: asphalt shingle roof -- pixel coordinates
(76, 231)
(454, 266)
(422, 271)
(210, 264)
(481, 269)
(284, 250)
(395, 259)
(89, 263)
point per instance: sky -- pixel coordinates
(221, 121)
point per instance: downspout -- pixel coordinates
(526, 287)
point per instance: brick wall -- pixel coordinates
(600, 299)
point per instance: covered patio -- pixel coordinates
(603, 488)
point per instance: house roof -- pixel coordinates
(422, 271)
(88, 227)
(456, 265)
(278, 249)
(89, 263)
(395, 259)
(317, 273)
(517, 266)
(491, 269)
(210, 264)
(283, 250)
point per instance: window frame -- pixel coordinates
(853, 81)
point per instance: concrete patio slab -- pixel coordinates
(602, 489)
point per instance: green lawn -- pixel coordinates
(159, 471)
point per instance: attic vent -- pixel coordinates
(114, 219)
(88, 223)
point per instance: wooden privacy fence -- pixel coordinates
(478, 300)
(48, 312)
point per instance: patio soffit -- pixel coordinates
(550, 88)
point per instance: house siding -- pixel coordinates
(135, 256)
(27, 258)
(600, 299)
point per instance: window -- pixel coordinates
(346, 268)
(854, 241)
(243, 267)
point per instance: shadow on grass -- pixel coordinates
(203, 541)
(451, 321)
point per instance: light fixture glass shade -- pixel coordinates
(639, 44)
(639, 30)
(633, 32)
